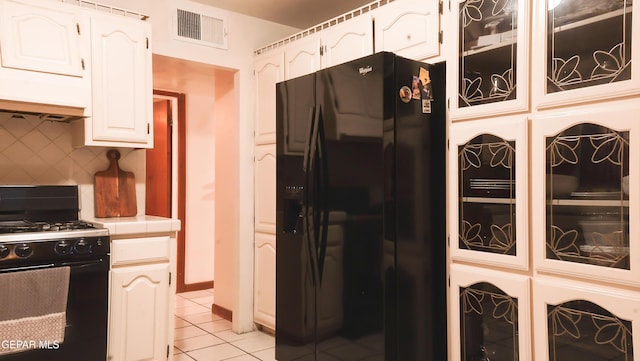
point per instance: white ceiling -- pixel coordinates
(300, 14)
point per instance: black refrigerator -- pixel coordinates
(360, 221)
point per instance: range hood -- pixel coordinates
(24, 110)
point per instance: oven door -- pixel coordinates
(85, 336)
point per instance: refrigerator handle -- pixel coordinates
(323, 185)
(307, 144)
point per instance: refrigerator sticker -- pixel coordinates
(426, 105)
(415, 87)
(425, 79)
(405, 94)
(427, 91)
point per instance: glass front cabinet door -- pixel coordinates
(586, 50)
(488, 211)
(586, 167)
(576, 321)
(491, 57)
(490, 315)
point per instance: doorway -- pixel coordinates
(166, 171)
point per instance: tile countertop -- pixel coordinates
(137, 224)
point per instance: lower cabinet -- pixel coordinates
(141, 298)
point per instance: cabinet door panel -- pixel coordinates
(121, 81)
(490, 209)
(40, 38)
(139, 312)
(302, 57)
(575, 321)
(586, 51)
(489, 315)
(491, 70)
(582, 212)
(347, 41)
(265, 189)
(269, 70)
(408, 28)
(265, 280)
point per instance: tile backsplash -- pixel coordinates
(38, 152)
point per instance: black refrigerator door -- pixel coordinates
(295, 277)
(420, 234)
(348, 172)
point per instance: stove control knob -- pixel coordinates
(4, 251)
(23, 250)
(83, 246)
(63, 248)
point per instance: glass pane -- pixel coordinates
(587, 206)
(488, 324)
(488, 32)
(581, 330)
(588, 43)
(486, 198)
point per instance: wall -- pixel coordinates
(33, 151)
(197, 82)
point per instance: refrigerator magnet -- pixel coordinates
(405, 94)
(426, 106)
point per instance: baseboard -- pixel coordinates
(196, 287)
(222, 312)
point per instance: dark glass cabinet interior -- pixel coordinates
(488, 324)
(486, 167)
(588, 43)
(587, 198)
(487, 51)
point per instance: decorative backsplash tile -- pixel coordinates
(38, 152)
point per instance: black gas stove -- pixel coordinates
(41, 237)
(40, 223)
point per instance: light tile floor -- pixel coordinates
(203, 336)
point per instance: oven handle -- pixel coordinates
(82, 266)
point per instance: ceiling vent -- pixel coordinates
(195, 27)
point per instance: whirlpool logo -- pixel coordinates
(365, 70)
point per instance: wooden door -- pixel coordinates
(158, 177)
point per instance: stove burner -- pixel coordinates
(28, 226)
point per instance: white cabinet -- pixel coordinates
(45, 56)
(489, 209)
(490, 315)
(141, 297)
(489, 58)
(265, 238)
(265, 188)
(121, 83)
(264, 303)
(583, 213)
(269, 70)
(334, 45)
(578, 321)
(302, 57)
(584, 51)
(409, 28)
(347, 41)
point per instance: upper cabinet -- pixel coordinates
(335, 45)
(269, 70)
(489, 205)
(44, 49)
(409, 28)
(489, 73)
(121, 83)
(585, 51)
(347, 41)
(586, 164)
(71, 61)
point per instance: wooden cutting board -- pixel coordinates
(115, 190)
